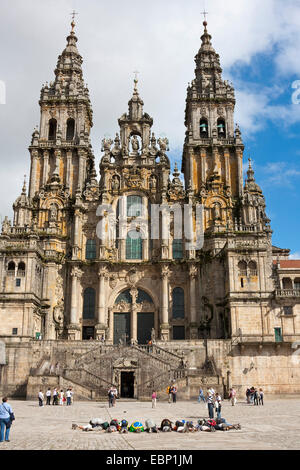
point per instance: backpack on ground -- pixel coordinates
(105, 425)
(166, 423)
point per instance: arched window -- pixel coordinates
(178, 303)
(242, 266)
(177, 249)
(134, 245)
(90, 249)
(221, 128)
(203, 128)
(89, 297)
(52, 129)
(11, 268)
(252, 268)
(134, 206)
(21, 269)
(70, 129)
(287, 283)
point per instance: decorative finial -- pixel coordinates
(204, 13)
(24, 185)
(136, 72)
(73, 20)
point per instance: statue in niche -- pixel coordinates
(152, 182)
(115, 185)
(216, 211)
(135, 143)
(53, 213)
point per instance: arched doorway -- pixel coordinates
(134, 317)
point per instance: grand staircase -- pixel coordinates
(93, 372)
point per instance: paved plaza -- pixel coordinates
(50, 427)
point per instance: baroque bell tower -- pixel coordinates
(213, 148)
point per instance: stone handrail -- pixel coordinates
(161, 354)
(87, 378)
(288, 292)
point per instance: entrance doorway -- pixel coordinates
(127, 384)
(145, 323)
(88, 332)
(121, 327)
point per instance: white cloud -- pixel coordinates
(295, 255)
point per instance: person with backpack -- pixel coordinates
(169, 394)
(6, 419)
(256, 397)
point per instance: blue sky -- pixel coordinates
(258, 43)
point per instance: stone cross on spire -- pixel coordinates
(73, 20)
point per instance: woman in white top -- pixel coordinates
(61, 397)
(41, 398)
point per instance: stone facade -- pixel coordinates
(79, 261)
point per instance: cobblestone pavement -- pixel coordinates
(49, 427)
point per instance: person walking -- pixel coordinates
(248, 394)
(201, 396)
(256, 397)
(210, 404)
(169, 393)
(218, 405)
(261, 396)
(111, 396)
(154, 397)
(115, 392)
(174, 393)
(232, 396)
(48, 396)
(6, 418)
(41, 398)
(69, 396)
(55, 396)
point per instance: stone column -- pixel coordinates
(193, 273)
(45, 167)
(74, 329)
(68, 172)
(164, 326)
(227, 168)
(134, 294)
(239, 153)
(101, 325)
(33, 175)
(110, 338)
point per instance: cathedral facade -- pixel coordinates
(114, 263)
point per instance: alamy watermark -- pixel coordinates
(160, 221)
(296, 94)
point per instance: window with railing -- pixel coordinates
(21, 269)
(11, 269)
(252, 268)
(278, 335)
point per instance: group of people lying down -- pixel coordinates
(183, 426)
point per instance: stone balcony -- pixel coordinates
(287, 293)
